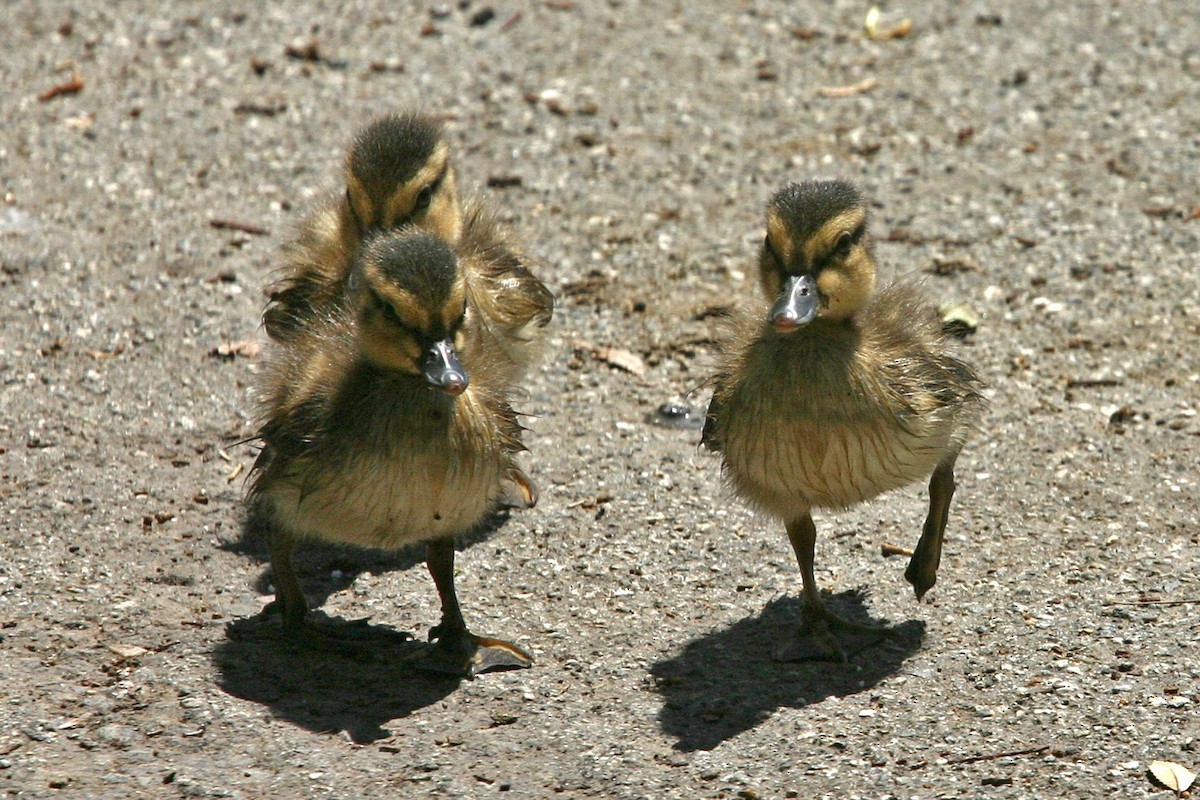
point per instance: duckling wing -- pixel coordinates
(499, 280)
(919, 366)
(312, 277)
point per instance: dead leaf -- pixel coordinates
(865, 85)
(128, 650)
(614, 356)
(1175, 777)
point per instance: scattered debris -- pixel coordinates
(958, 320)
(73, 86)
(303, 50)
(909, 237)
(260, 109)
(1175, 777)
(504, 181)
(1092, 383)
(1159, 211)
(482, 17)
(873, 31)
(246, 348)
(862, 86)
(1032, 751)
(1121, 417)
(128, 650)
(949, 266)
(234, 225)
(677, 415)
(887, 550)
(613, 356)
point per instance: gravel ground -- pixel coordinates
(1039, 159)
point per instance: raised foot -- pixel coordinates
(520, 492)
(467, 655)
(815, 641)
(922, 568)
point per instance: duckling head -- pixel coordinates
(410, 302)
(817, 259)
(398, 172)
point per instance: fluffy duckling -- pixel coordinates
(841, 393)
(399, 174)
(385, 422)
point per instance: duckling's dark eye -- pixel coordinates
(843, 244)
(388, 311)
(424, 198)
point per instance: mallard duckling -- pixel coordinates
(399, 174)
(841, 393)
(386, 423)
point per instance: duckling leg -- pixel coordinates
(289, 598)
(349, 640)
(458, 651)
(923, 566)
(817, 619)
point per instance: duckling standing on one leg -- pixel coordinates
(842, 393)
(386, 422)
(399, 174)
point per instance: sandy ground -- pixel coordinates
(1039, 160)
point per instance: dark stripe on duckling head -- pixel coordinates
(804, 207)
(417, 274)
(390, 151)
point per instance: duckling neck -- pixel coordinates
(405, 406)
(813, 361)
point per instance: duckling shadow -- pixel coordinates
(325, 568)
(730, 681)
(353, 691)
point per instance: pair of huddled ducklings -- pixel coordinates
(402, 324)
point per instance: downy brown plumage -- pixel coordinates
(399, 174)
(839, 393)
(385, 422)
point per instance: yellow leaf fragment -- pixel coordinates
(1175, 777)
(871, 25)
(873, 31)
